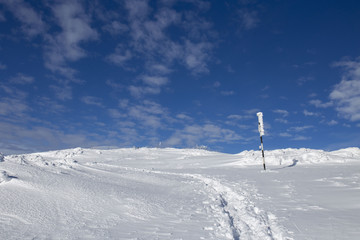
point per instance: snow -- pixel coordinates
(151, 193)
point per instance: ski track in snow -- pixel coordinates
(245, 220)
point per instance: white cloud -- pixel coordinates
(267, 87)
(120, 56)
(13, 106)
(155, 80)
(21, 79)
(307, 113)
(150, 38)
(76, 28)
(164, 18)
(149, 114)
(197, 28)
(183, 116)
(158, 68)
(13, 102)
(116, 28)
(65, 46)
(281, 120)
(114, 85)
(90, 100)
(227, 93)
(13, 92)
(2, 17)
(248, 114)
(217, 84)
(196, 56)
(236, 117)
(193, 135)
(150, 44)
(123, 103)
(301, 138)
(332, 123)
(2, 66)
(252, 112)
(155, 49)
(149, 35)
(249, 18)
(19, 124)
(230, 69)
(62, 92)
(346, 94)
(138, 9)
(16, 138)
(140, 91)
(32, 24)
(302, 80)
(319, 104)
(114, 113)
(51, 105)
(55, 60)
(153, 85)
(264, 96)
(282, 112)
(285, 134)
(300, 128)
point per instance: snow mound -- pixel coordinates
(1, 157)
(4, 177)
(291, 156)
(62, 158)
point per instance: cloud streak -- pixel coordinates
(65, 45)
(147, 41)
(193, 135)
(21, 79)
(346, 94)
(32, 24)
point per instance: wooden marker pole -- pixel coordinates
(262, 133)
(262, 150)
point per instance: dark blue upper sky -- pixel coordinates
(179, 73)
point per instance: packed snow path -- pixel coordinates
(165, 194)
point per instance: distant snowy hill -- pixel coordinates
(151, 193)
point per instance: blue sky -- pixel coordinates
(179, 73)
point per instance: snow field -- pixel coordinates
(180, 194)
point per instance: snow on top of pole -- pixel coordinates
(261, 123)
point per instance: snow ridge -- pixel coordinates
(302, 156)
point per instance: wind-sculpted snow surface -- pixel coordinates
(302, 155)
(180, 194)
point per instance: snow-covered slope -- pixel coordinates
(180, 194)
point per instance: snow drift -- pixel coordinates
(302, 156)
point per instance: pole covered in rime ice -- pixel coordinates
(262, 132)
